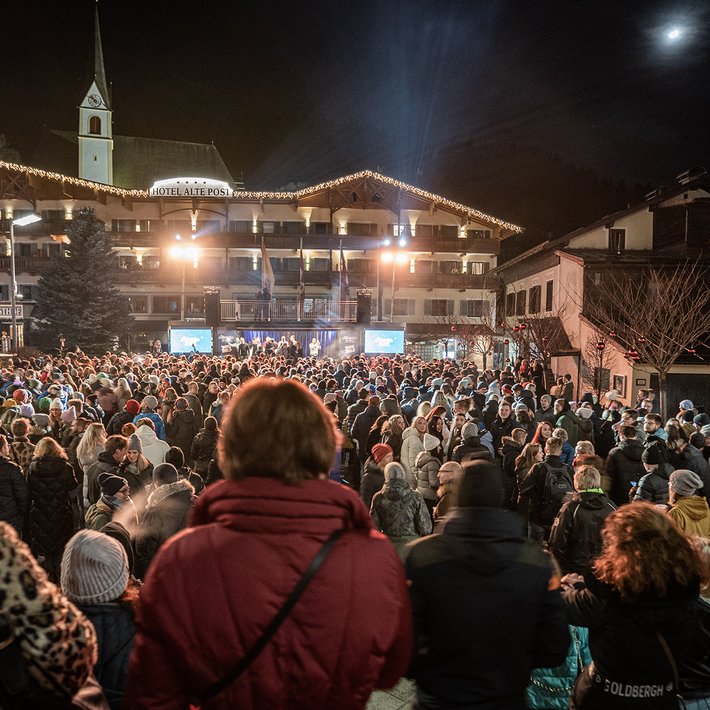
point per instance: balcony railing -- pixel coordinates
(312, 309)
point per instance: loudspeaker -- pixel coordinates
(212, 309)
(364, 307)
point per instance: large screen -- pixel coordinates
(384, 341)
(189, 340)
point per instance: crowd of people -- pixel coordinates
(503, 545)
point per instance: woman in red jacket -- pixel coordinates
(213, 589)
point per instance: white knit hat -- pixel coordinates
(56, 404)
(94, 568)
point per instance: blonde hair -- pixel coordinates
(94, 438)
(47, 446)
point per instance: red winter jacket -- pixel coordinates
(213, 588)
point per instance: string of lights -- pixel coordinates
(252, 196)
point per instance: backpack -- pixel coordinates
(558, 483)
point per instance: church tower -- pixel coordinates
(95, 136)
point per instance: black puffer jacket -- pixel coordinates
(181, 430)
(117, 421)
(202, 449)
(471, 449)
(623, 465)
(653, 487)
(372, 481)
(167, 511)
(13, 494)
(114, 633)
(575, 538)
(51, 524)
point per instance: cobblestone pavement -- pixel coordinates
(398, 698)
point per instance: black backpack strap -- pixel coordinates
(251, 655)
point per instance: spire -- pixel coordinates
(99, 72)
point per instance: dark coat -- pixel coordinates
(104, 464)
(114, 633)
(361, 429)
(251, 541)
(623, 466)
(653, 487)
(575, 538)
(166, 513)
(181, 431)
(399, 512)
(500, 428)
(693, 460)
(202, 449)
(470, 449)
(532, 487)
(474, 587)
(51, 523)
(622, 636)
(115, 424)
(14, 494)
(371, 482)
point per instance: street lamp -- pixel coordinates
(20, 222)
(184, 254)
(394, 258)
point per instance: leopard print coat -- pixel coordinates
(57, 641)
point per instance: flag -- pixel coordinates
(343, 275)
(302, 277)
(267, 273)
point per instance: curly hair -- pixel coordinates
(644, 552)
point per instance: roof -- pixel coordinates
(137, 162)
(656, 197)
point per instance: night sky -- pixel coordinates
(303, 91)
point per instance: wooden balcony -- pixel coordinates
(26, 264)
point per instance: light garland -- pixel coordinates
(250, 196)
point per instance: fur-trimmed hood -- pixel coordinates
(180, 487)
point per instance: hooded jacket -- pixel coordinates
(471, 449)
(399, 512)
(181, 430)
(692, 516)
(412, 446)
(623, 466)
(13, 494)
(156, 419)
(105, 464)
(474, 587)
(166, 513)
(575, 538)
(154, 449)
(426, 468)
(225, 578)
(569, 421)
(653, 487)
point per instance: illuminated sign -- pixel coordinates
(190, 187)
(6, 310)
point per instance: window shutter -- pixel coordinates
(427, 306)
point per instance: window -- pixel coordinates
(478, 233)
(240, 263)
(137, 304)
(520, 302)
(510, 305)
(478, 267)
(208, 226)
(95, 126)
(549, 291)
(425, 230)
(294, 227)
(424, 267)
(535, 295)
(267, 227)
(26, 293)
(53, 215)
(320, 265)
(166, 304)
(402, 306)
(361, 266)
(320, 227)
(240, 226)
(24, 250)
(449, 231)
(475, 308)
(617, 240)
(449, 267)
(151, 262)
(439, 307)
(362, 229)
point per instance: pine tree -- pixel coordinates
(77, 296)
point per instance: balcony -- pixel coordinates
(26, 264)
(323, 242)
(405, 279)
(279, 311)
(205, 274)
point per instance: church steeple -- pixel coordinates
(99, 71)
(95, 131)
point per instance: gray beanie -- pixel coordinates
(94, 568)
(150, 402)
(469, 430)
(684, 482)
(134, 443)
(165, 473)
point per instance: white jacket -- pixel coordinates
(154, 449)
(412, 446)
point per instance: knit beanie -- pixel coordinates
(686, 404)
(469, 430)
(150, 402)
(134, 443)
(379, 451)
(175, 456)
(701, 419)
(110, 484)
(652, 456)
(449, 471)
(56, 404)
(181, 403)
(94, 568)
(685, 482)
(430, 442)
(481, 485)
(165, 473)
(69, 415)
(133, 406)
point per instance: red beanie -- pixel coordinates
(379, 451)
(133, 406)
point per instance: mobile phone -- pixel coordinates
(633, 483)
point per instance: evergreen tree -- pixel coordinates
(77, 296)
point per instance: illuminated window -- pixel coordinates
(95, 126)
